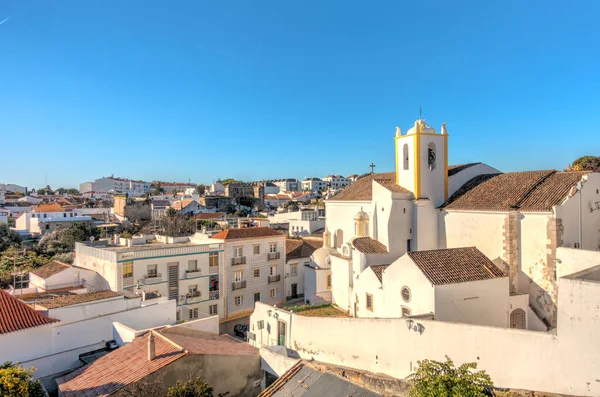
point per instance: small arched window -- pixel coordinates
(405, 294)
(431, 155)
(405, 156)
(405, 311)
(339, 238)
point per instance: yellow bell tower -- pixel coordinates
(422, 161)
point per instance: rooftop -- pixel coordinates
(251, 232)
(76, 299)
(301, 248)
(455, 169)
(153, 245)
(197, 342)
(367, 245)
(527, 191)
(179, 205)
(378, 270)
(50, 269)
(16, 315)
(362, 189)
(455, 265)
(208, 215)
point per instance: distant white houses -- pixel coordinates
(298, 252)
(337, 181)
(116, 185)
(174, 186)
(4, 214)
(12, 188)
(46, 217)
(315, 185)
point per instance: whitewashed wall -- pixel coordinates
(483, 230)
(457, 180)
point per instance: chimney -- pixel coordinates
(151, 346)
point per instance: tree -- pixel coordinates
(586, 163)
(291, 206)
(201, 189)
(61, 190)
(8, 238)
(72, 191)
(63, 239)
(443, 379)
(16, 381)
(192, 388)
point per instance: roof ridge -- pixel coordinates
(168, 340)
(548, 174)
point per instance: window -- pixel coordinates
(370, 302)
(405, 311)
(405, 155)
(273, 293)
(45, 215)
(238, 300)
(294, 270)
(213, 259)
(47, 227)
(178, 315)
(256, 296)
(238, 251)
(256, 249)
(193, 289)
(65, 215)
(193, 313)
(406, 294)
(431, 154)
(193, 266)
(273, 247)
(238, 276)
(328, 281)
(256, 273)
(152, 270)
(212, 309)
(127, 269)
(272, 270)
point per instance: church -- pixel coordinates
(463, 243)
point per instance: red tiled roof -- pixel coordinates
(362, 189)
(367, 245)
(301, 248)
(378, 270)
(50, 269)
(198, 342)
(455, 265)
(250, 232)
(16, 315)
(391, 185)
(526, 191)
(208, 215)
(179, 205)
(75, 299)
(52, 207)
(124, 366)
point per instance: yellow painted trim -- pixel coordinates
(397, 163)
(429, 134)
(445, 167)
(417, 161)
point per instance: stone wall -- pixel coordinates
(510, 248)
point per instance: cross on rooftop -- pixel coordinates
(372, 168)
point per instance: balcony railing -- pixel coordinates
(238, 285)
(213, 295)
(194, 294)
(213, 270)
(240, 260)
(275, 279)
(193, 272)
(273, 255)
(152, 276)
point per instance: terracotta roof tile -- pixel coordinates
(526, 191)
(455, 265)
(455, 169)
(124, 366)
(52, 207)
(378, 270)
(50, 269)
(197, 342)
(301, 248)
(367, 245)
(391, 185)
(179, 205)
(75, 299)
(362, 189)
(250, 232)
(208, 215)
(16, 315)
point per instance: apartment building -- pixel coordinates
(337, 181)
(287, 184)
(183, 269)
(116, 185)
(46, 217)
(298, 253)
(254, 264)
(315, 185)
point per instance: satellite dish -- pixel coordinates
(92, 238)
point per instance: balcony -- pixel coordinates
(152, 278)
(273, 255)
(213, 270)
(240, 260)
(275, 279)
(212, 295)
(238, 285)
(193, 272)
(192, 297)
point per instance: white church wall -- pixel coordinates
(482, 302)
(590, 221)
(368, 283)
(340, 217)
(403, 272)
(392, 219)
(405, 177)
(341, 283)
(483, 230)
(533, 255)
(432, 181)
(457, 180)
(425, 226)
(570, 260)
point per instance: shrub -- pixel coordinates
(17, 381)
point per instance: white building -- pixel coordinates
(254, 265)
(315, 185)
(4, 214)
(217, 187)
(57, 276)
(45, 219)
(185, 271)
(2, 194)
(174, 186)
(337, 181)
(287, 184)
(12, 188)
(297, 258)
(187, 207)
(116, 185)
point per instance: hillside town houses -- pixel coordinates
(426, 260)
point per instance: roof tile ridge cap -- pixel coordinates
(168, 340)
(547, 175)
(289, 374)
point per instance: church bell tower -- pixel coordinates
(422, 162)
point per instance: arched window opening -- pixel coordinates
(517, 319)
(405, 156)
(431, 156)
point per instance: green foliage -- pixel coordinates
(227, 181)
(587, 163)
(8, 238)
(72, 191)
(192, 388)
(171, 212)
(247, 201)
(66, 257)
(45, 190)
(301, 308)
(62, 239)
(443, 379)
(201, 189)
(292, 206)
(23, 261)
(16, 381)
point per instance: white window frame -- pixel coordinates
(272, 247)
(238, 300)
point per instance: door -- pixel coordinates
(281, 333)
(294, 291)
(173, 271)
(517, 319)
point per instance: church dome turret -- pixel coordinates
(421, 127)
(361, 224)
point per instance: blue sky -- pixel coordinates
(267, 89)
